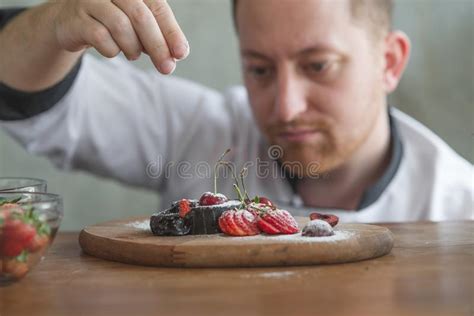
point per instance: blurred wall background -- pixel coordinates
(437, 90)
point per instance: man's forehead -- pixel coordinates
(296, 25)
(273, 10)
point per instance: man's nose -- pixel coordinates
(290, 101)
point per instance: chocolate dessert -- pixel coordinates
(189, 217)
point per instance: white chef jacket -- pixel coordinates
(165, 133)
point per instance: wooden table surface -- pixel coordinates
(428, 272)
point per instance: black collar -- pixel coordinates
(375, 191)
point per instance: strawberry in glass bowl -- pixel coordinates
(28, 224)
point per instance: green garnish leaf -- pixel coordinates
(28, 209)
(256, 199)
(22, 257)
(44, 229)
(4, 201)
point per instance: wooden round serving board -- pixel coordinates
(128, 242)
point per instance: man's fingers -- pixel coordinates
(149, 33)
(170, 29)
(97, 35)
(119, 26)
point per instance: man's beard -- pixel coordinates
(313, 158)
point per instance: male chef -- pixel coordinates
(313, 106)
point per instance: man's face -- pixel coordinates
(314, 77)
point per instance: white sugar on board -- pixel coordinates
(269, 275)
(338, 235)
(276, 275)
(142, 225)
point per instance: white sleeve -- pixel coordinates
(117, 121)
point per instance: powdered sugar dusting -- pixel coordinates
(317, 227)
(270, 275)
(338, 235)
(141, 225)
(276, 275)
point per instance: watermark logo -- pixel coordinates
(262, 168)
(275, 152)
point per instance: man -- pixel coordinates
(316, 73)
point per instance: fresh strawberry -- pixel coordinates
(247, 222)
(238, 223)
(16, 236)
(330, 219)
(233, 228)
(11, 207)
(11, 248)
(184, 207)
(277, 222)
(37, 243)
(267, 228)
(16, 230)
(7, 209)
(15, 268)
(210, 198)
(223, 224)
(4, 214)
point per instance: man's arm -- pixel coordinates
(30, 58)
(113, 119)
(41, 45)
(130, 125)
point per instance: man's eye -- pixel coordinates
(317, 67)
(259, 71)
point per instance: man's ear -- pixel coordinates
(397, 53)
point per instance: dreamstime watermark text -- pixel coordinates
(263, 168)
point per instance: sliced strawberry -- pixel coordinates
(247, 222)
(267, 228)
(184, 207)
(223, 224)
(278, 222)
(290, 221)
(329, 218)
(233, 225)
(238, 223)
(251, 220)
(274, 221)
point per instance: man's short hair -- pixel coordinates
(376, 13)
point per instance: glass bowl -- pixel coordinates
(22, 184)
(28, 224)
